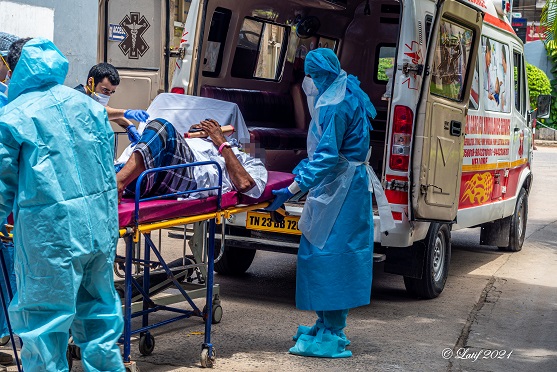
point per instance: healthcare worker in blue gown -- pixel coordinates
(57, 174)
(334, 269)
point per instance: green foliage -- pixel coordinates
(538, 83)
(551, 47)
(384, 63)
(548, 19)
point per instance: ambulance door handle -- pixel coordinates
(456, 128)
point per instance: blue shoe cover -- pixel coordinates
(312, 331)
(322, 343)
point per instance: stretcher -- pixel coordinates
(138, 218)
(7, 238)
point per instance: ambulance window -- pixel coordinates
(216, 41)
(385, 61)
(496, 75)
(260, 50)
(519, 86)
(450, 61)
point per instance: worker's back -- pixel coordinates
(64, 146)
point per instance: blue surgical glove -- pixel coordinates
(133, 134)
(138, 115)
(281, 196)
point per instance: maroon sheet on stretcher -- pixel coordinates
(160, 210)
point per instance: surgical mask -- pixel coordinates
(3, 88)
(8, 78)
(311, 92)
(100, 98)
(309, 87)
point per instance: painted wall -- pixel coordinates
(536, 55)
(71, 24)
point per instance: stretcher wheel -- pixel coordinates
(216, 315)
(4, 340)
(146, 344)
(119, 270)
(132, 368)
(206, 360)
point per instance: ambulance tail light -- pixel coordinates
(178, 90)
(402, 136)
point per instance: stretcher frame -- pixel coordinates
(160, 302)
(6, 276)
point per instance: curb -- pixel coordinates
(545, 143)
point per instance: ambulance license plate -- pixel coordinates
(262, 222)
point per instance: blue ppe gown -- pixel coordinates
(56, 172)
(337, 276)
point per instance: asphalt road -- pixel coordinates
(497, 312)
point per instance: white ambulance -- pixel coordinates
(452, 141)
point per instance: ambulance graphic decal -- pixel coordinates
(135, 25)
(478, 189)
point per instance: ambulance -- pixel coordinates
(452, 139)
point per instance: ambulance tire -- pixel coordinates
(436, 264)
(518, 223)
(234, 261)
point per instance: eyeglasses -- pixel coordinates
(107, 91)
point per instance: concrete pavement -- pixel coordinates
(514, 326)
(493, 300)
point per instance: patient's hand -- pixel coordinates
(212, 128)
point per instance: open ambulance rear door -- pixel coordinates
(441, 113)
(146, 40)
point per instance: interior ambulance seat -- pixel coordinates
(269, 116)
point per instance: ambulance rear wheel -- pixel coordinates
(518, 223)
(436, 264)
(234, 261)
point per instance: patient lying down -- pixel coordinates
(161, 145)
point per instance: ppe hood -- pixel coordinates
(41, 65)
